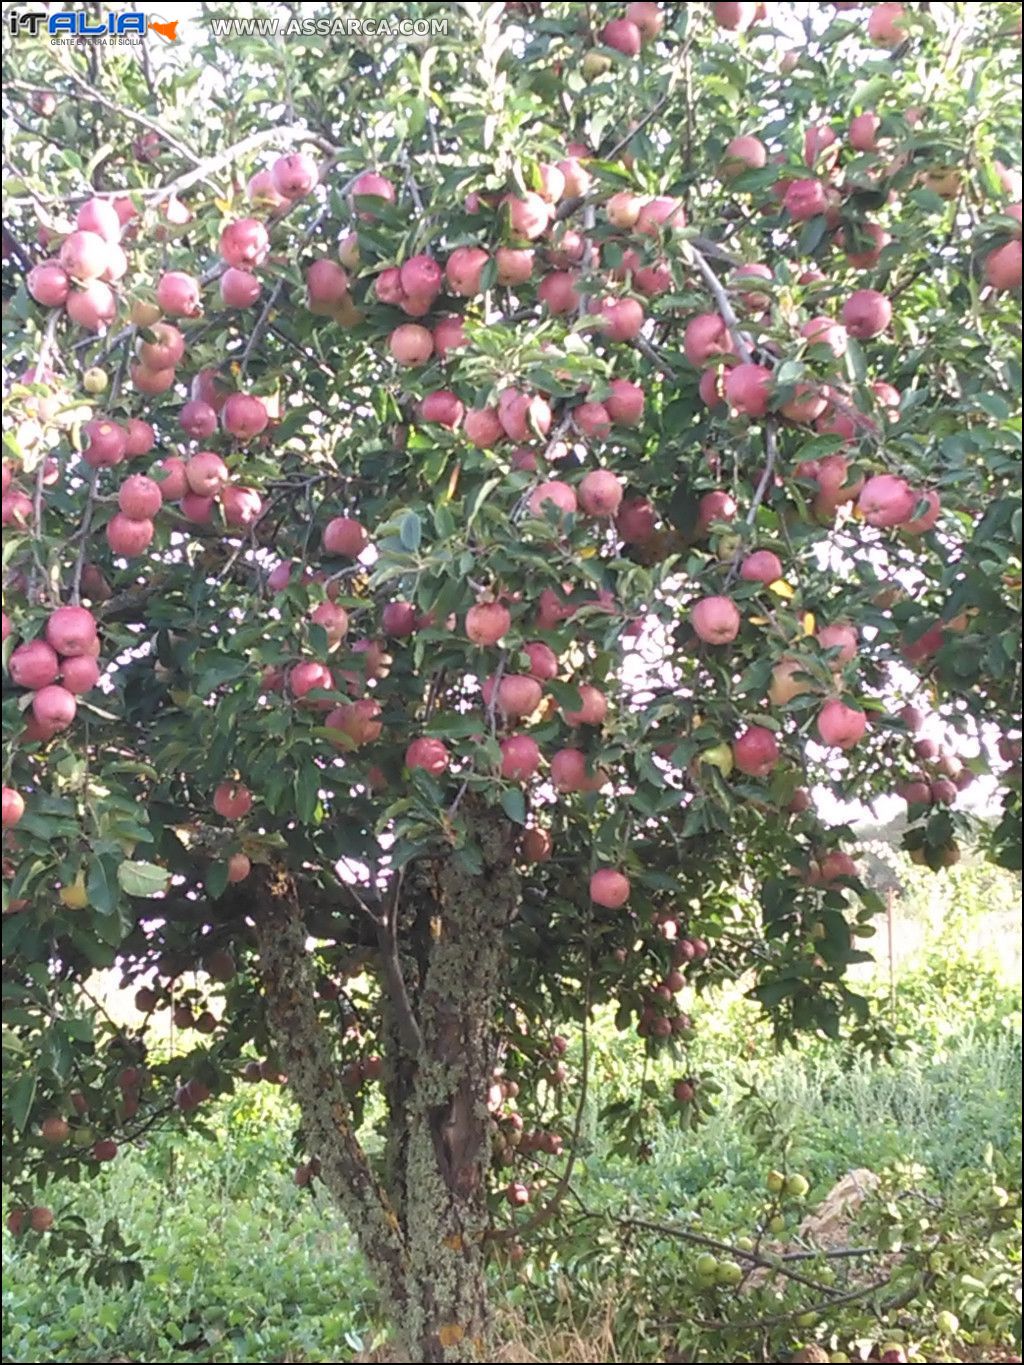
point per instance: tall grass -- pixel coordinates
(242, 1266)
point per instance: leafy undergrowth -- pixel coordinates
(240, 1265)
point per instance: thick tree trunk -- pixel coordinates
(448, 1145)
(423, 1221)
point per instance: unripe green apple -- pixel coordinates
(947, 1323)
(706, 1265)
(595, 64)
(797, 1186)
(94, 380)
(82, 1137)
(775, 1182)
(144, 314)
(719, 757)
(729, 1273)
(726, 547)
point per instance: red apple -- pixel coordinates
(239, 288)
(841, 726)
(529, 216)
(866, 314)
(244, 415)
(554, 493)
(600, 493)
(107, 443)
(706, 337)
(84, 255)
(756, 751)
(428, 754)
(48, 284)
(345, 536)
(487, 622)
(592, 709)
(370, 185)
(33, 665)
(483, 427)
(54, 707)
(358, 720)
(743, 154)
(543, 660)
(557, 291)
(178, 294)
(326, 286)
(139, 498)
(13, 807)
(886, 500)
(843, 638)
(748, 388)
(886, 25)
(71, 630)
(442, 406)
(918, 525)
(520, 758)
(80, 673)
(294, 175)
(411, 344)
(93, 307)
(624, 403)
(715, 620)
(465, 266)
(609, 888)
(805, 199)
(244, 243)
(1003, 266)
(761, 567)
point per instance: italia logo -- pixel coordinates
(78, 24)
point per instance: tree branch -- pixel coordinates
(89, 93)
(387, 938)
(287, 973)
(724, 304)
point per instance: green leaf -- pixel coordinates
(411, 532)
(20, 1099)
(102, 885)
(513, 803)
(143, 879)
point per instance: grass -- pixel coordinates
(240, 1265)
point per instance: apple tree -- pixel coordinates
(476, 501)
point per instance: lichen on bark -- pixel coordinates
(422, 1220)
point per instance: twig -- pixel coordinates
(655, 357)
(771, 450)
(90, 502)
(272, 297)
(658, 105)
(90, 93)
(712, 1244)
(779, 1319)
(725, 307)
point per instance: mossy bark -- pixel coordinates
(448, 1153)
(422, 1221)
